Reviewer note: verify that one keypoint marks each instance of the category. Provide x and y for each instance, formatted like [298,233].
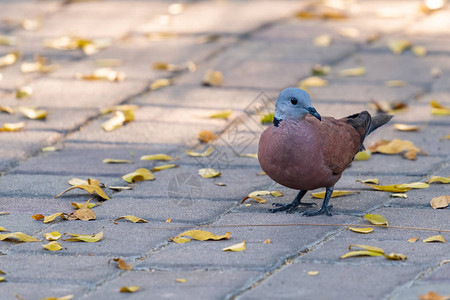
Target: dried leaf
[319,70]
[78,181]
[9,59]
[249,155]
[267,241]
[349,32]
[313,273]
[267,119]
[312,81]
[18,235]
[122,264]
[372,148]
[220,183]
[168,220]
[53,246]
[395,256]
[164,167]
[84,213]
[395,83]
[120,188]
[138,175]
[32,24]
[52,236]
[397,146]
[106,74]
[367,247]
[206,136]
[180,240]
[24,92]
[180,280]
[225,114]
[201,235]
[67,297]
[8,40]
[399,195]
[38,65]
[88,46]
[85,237]
[390,107]
[12,126]
[361,253]
[90,188]
[208,173]
[435,238]
[438,109]
[336,193]
[406,127]
[352,72]
[433,295]
[163,157]
[323,40]
[212,78]
[363,155]
[439,179]
[132,219]
[376,219]
[33,113]
[205,153]
[361,230]
[414,185]
[394,188]
[108,62]
[116,161]
[115,122]
[6,109]
[3,229]
[440,202]
[236,247]
[48,219]
[129,289]
[398,46]
[160,83]
[413,240]
[123,108]
[419,50]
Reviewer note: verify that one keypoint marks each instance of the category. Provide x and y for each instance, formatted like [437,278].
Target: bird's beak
[314,112]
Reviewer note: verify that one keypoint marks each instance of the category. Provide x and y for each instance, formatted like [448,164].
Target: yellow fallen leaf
[3,229]
[8,40]
[397,146]
[67,297]
[160,83]
[398,46]
[387,188]
[395,83]
[2,278]
[164,167]
[50,218]
[363,155]
[225,114]
[132,219]
[267,241]
[376,219]
[122,108]
[395,256]
[78,181]
[336,193]
[352,72]
[116,121]
[205,153]
[433,295]
[206,136]
[83,213]
[440,202]
[349,32]
[399,195]
[312,81]
[116,161]
[23,92]
[414,185]
[268,118]
[212,78]
[38,65]
[406,127]
[439,179]
[323,40]
[419,50]
[180,240]
[435,238]
[122,264]
[88,46]
[367,247]
[313,273]
[33,113]
[370,180]
[53,246]
[220,183]
[106,74]
[85,237]
[249,155]
[129,289]
[361,253]
[6,109]
[90,188]
[208,173]
[9,59]
[320,70]
[261,174]
[18,235]
[202,235]
[12,126]
[52,236]
[180,280]
[168,220]
[236,247]
[32,24]
[138,175]
[413,240]
[361,230]
[438,109]
[163,157]
[120,188]
[4,213]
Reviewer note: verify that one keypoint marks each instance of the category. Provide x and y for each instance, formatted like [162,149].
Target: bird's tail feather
[379,120]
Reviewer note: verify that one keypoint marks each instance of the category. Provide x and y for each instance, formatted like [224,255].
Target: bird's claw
[282,207]
[309,204]
[325,210]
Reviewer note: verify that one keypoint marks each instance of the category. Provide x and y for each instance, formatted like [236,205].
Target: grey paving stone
[162,284]
[39,290]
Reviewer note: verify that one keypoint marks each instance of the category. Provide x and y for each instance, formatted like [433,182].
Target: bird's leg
[292,206]
[325,207]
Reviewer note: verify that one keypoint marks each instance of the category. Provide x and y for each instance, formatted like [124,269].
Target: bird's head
[293,104]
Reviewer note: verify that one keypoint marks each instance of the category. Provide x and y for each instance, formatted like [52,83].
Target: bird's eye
[294,101]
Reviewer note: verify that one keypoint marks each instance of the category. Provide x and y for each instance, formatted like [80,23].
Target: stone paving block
[163,285]
[39,290]
[286,241]
[18,10]
[353,282]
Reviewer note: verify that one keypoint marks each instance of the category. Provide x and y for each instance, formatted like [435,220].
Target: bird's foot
[289,207]
[325,210]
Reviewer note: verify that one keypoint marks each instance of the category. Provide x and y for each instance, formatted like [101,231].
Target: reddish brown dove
[304,151]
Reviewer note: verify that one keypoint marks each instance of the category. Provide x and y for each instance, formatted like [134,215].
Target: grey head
[293,104]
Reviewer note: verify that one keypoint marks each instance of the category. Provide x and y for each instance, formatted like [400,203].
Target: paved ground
[261,48]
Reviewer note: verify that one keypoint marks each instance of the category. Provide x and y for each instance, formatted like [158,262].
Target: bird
[304,151]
